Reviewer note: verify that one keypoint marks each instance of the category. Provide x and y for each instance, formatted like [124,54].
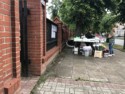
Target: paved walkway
[27,84]
[76,74]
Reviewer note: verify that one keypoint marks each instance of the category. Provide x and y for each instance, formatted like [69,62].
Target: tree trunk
[78,30]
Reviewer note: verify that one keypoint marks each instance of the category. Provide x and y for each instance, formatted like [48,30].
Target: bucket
[86,53]
[106,54]
[75,50]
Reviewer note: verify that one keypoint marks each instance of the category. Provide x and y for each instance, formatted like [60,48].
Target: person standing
[89,35]
[111,37]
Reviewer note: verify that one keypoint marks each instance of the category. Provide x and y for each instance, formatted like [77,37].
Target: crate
[98,54]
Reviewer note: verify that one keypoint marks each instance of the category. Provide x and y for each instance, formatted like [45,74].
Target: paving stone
[67,90]
[90,92]
[48,92]
[76,92]
[87,75]
[60,90]
[41,85]
[71,90]
[41,92]
[85,92]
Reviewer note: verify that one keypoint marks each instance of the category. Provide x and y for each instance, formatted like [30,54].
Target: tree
[84,13]
[79,14]
[107,22]
[54,8]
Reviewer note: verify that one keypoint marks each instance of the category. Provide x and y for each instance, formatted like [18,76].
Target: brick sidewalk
[76,74]
[27,84]
[68,86]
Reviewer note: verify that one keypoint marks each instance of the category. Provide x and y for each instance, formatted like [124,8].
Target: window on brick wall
[51,34]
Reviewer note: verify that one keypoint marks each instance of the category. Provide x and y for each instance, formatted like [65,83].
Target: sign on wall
[53,31]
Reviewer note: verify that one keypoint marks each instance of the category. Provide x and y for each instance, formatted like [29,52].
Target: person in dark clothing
[89,35]
[111,41]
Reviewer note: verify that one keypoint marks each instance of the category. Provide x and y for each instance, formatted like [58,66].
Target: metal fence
[52,31]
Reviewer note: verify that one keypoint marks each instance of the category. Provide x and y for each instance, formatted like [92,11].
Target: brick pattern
[43,38]
[35,36]
[9,41]
[60,36]
[65,35]
[5,25]
[69,86]
[37,53]
[1,66]
[27,84]
[66,32]
[11,86]
[43,27]
[15,37]
[58,48]
[49,54]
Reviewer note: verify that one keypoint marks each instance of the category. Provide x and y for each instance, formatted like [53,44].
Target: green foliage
[85,14]
[107,22]
[54,8]
[121,11]
[82,15]
[112,5]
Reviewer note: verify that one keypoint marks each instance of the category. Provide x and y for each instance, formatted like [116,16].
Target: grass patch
[118,47]
[50,72]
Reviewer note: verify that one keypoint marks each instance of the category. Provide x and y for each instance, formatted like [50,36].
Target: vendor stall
[89,45]
[86,48]
[92,40]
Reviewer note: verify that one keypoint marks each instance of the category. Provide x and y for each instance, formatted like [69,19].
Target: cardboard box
[98,54]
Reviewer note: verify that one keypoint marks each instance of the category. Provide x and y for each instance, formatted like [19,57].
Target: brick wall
[50,54]
[59,23]
[37,53]
[9,43]
[54,51]
[43,27]
[36,32]
[1,65]
[6,40]
[15,27]
[66,32]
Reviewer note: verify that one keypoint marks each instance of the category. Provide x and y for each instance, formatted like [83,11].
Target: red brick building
[10,45]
